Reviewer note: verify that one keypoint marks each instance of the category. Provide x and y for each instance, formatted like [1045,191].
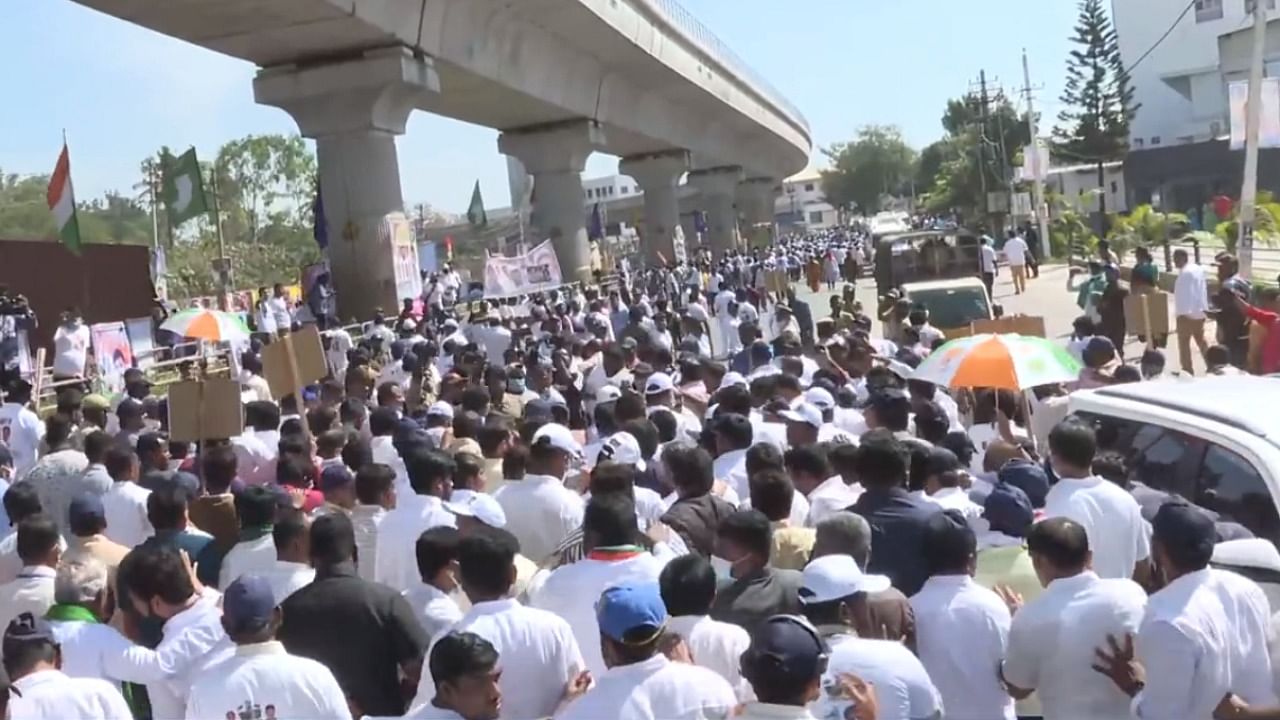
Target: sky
[120,91]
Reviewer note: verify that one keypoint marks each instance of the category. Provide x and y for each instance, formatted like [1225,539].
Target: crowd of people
[683,494]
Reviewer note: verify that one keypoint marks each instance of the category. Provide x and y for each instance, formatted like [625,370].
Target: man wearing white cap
[479,513]
[659,392]
[826,404]
[803,423]
[624,449]
[540,510]
[439,418]
[833,594]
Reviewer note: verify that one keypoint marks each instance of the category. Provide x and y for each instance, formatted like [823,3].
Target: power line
[1163,37]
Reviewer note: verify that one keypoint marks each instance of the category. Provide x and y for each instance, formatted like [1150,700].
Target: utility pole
[982,148]
[223,263]
[1037,172]
[1253,126]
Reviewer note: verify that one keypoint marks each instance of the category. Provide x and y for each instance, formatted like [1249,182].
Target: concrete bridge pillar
[719,187]
[755,203]
[657,176]
[555,155]
[354,108]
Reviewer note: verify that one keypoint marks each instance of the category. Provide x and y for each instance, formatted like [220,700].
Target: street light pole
[1253,126]
[1037,172]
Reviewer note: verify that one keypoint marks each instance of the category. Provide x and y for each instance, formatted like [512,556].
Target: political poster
[396,231]
[139,332]
[428,257]
[1269,130]
[113,353]
[535,271]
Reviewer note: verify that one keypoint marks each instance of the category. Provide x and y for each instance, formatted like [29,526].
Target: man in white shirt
[292,569]
[688,586]
[83,604]
[540,657]
[125,503]
[987,266]
[641,683]
[40,690]
[260,673]
[1204,634]
[70,346]
[1118,535]
[1190,301]
[962,628]
[834,595]
[32,590]
[464,671]
[733,437]
[540,510]
[56,475]
[1053,637]
[942,484]
[609,534]
[280,307]
[20,428]
[432,596]
[255,551]
[375,497]
[837,485]
[431,478]
[1015,253]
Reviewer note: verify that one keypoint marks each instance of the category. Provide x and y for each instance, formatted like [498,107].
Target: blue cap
[26,628]
[1028,477]
[626,609]
[787,646]
[334,477]
[1008,510]
[248,603]
[84,507]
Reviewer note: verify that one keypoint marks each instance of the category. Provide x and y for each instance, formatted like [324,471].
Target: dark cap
[947,528]
[1099,345]
[730,423]
[1008,510]
[1027,476]
[537,409]
[26,628]
[334,477]
[939,461]
[887,397]
[85,507]
[1185,528]
[787,647]
[248,603]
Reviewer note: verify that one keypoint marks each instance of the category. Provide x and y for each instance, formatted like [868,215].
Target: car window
[1155,456]
[1231,486]
[953,307]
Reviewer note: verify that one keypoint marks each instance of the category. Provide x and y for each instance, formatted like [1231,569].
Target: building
[801,204]
[1078,186]
[611,187]
[1179,153]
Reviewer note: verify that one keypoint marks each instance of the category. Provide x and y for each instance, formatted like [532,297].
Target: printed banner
[396,231]
[113,353]
[428,257]
[1269,130]
[139,332]
[535,271]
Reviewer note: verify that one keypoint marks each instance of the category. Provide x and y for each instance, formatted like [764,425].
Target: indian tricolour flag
[62,202]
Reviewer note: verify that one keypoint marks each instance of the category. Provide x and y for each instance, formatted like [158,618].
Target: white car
[1214,441]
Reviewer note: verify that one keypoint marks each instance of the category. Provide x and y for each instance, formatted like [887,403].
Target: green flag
[183,190]
[475,213]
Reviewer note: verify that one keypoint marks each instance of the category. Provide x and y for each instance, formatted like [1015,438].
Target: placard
[1028,325]
[206,409]
[397,232]
[139,332]
[535,271]
[308,360]
[112,353]
[1135,319]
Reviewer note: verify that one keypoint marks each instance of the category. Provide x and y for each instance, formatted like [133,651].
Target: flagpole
[224,269]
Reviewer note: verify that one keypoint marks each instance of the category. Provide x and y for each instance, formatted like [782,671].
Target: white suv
[1214,441]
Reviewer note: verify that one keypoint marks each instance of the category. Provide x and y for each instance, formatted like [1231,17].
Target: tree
[977,153]
[1144,227]
[1098,97]
[259,176]
[877,162]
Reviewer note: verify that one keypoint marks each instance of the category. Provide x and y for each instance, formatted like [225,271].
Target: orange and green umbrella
[212,325]
[1011,362]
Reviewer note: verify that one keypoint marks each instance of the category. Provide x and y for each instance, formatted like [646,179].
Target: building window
[1207,10]
[1155,140]
[1114,188]
[1138,142]
[815,217]
[808,187]
[626,189]
[1248,6]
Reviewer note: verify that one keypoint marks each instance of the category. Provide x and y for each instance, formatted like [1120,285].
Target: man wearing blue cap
[1203,635]
[40,690]
[261,677]
[641,683]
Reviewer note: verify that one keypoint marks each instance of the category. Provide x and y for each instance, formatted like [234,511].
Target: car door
[1160,458]
[1231,486]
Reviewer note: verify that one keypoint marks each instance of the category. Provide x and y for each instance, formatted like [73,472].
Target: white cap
[834,577]
[730,379]
[608,394]
[804,413]
[558,437]
[441,408]
[408,324]
[820,398]
[621,447]
[658,383]
[479,506]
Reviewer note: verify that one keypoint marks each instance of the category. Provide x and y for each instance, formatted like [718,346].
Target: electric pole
[1253,126]
[1037,172]
[982,147]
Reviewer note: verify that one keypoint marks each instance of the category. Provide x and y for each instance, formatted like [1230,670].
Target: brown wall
[107,282]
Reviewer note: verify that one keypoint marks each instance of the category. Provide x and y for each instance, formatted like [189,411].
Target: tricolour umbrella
[212,325]
[1011,362]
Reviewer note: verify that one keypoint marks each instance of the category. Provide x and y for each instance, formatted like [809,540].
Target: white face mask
[723,568]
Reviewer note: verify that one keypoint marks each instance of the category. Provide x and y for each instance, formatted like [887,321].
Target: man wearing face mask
[751,590]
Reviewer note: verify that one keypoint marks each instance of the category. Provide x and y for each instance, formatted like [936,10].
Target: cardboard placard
[1027,325]
[308,361]
[206,409]
[1136,319]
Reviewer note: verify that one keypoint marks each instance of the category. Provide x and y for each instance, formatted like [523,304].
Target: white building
[802,203]
[1078,186]
[611,187]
